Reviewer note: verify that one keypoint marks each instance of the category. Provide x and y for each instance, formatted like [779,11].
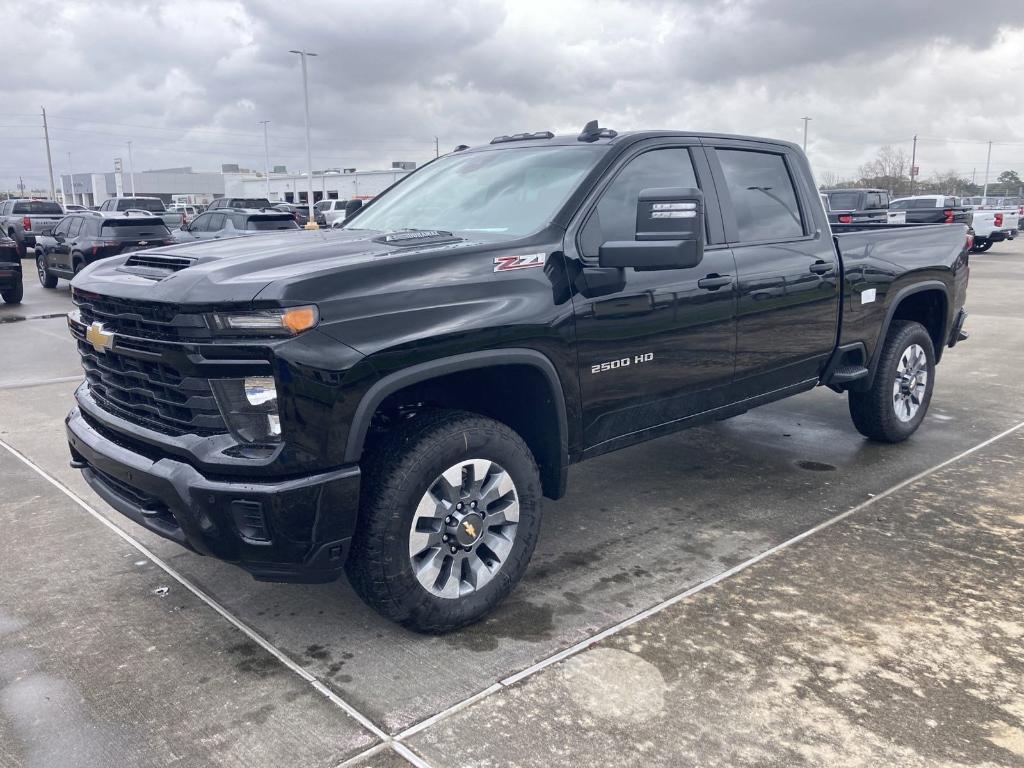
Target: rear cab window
[43,207]
[843,201]
[763,196]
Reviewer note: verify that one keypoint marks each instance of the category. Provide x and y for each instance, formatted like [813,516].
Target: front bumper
[295,530]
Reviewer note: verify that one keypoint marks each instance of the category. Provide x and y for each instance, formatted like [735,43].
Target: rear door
[653,346]
[788,302]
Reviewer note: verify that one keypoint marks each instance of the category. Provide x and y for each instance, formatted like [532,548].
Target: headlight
[283,322]
[249,408]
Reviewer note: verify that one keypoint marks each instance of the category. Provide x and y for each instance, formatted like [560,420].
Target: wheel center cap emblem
[469,529]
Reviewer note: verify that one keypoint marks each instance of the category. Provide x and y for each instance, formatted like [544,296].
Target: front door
[656,346]
[788,309]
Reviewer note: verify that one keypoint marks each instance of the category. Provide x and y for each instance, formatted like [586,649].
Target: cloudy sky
[187,82]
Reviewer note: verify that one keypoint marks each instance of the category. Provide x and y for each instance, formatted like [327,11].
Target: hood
[237,270]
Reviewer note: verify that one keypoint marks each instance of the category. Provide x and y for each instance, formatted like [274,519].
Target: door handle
[822,267]
[714,281]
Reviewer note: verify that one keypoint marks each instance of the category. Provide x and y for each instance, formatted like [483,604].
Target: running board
[844,374]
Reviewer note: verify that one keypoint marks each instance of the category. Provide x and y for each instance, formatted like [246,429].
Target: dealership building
[171,184]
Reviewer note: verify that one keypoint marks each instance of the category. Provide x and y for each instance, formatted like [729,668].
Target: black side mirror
[669,232]
[352,206]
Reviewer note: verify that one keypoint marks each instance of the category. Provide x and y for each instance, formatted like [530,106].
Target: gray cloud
[187,82]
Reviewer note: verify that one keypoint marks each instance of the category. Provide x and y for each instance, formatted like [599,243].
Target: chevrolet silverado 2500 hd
[394,398]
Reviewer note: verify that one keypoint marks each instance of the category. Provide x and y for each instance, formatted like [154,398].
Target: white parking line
[656,609]
[236,622]
[41,382]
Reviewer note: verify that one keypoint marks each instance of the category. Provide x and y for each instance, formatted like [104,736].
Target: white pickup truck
[991,223]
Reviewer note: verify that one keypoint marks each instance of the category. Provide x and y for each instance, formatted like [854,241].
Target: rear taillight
[104,244]
[948,213]
[970,241]
[26,223]
[997,219]
[845,218]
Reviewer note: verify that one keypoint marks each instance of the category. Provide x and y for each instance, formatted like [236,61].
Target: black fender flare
[876,353]
[487,358]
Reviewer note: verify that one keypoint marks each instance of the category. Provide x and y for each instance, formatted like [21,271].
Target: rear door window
[763,197]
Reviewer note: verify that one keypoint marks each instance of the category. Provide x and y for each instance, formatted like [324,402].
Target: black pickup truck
[394,398]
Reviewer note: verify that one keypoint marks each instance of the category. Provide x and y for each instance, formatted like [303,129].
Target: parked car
[79,239]
[11,286]
[257,203]
[328,211]
[857,206]
[23,220]
[301,213]
[154,205]
[932,209]
[217,224]
[188,212]
[395,397]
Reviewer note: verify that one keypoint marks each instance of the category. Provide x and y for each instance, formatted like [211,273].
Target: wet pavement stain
[516,620]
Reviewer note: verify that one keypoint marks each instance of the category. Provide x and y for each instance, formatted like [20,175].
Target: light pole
[806,121]
[131,168]
[309,155]
[988,162]
[72,169]
[266,156]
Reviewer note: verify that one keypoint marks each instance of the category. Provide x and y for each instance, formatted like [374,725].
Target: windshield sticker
[508,263]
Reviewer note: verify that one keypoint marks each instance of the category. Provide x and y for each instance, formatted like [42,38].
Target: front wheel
[448,520]
[896,404]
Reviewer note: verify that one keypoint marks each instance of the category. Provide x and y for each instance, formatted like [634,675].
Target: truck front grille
[151,394]
[141,319]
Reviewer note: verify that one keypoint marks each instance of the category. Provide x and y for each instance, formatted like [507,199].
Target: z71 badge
[529,261]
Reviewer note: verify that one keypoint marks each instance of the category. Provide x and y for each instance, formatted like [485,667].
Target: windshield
[510,192]
[843,201]
[38,206]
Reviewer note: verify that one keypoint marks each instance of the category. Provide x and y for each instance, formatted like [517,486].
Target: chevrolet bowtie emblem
[470,529]
[101,339]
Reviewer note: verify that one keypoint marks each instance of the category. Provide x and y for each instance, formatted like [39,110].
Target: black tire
[14,295]
[981,247]
[398,471]
[874,411]
[45,278]
[19,247]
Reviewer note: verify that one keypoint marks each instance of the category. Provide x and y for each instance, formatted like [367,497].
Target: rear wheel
[448,520]
[981,247]
[14,294]
[896,404]
[45,278]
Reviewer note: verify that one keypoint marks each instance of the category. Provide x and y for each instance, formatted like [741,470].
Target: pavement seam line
[241,626]
[39,382]
[677,598]
[406,752]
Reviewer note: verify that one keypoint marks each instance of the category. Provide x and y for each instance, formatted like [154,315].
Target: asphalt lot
[892,637]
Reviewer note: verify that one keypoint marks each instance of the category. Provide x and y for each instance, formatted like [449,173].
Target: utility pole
[21,187]
[266,155]
[974,175]
[49,161]
[131,168]
[72,169]
[988,162]
[437,150]
[806,121]
[913,166]
[303,54]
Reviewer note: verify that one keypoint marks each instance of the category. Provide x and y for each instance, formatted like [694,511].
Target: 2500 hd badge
[625,362]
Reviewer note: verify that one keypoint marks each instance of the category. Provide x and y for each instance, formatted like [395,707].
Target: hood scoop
[406,237]
[155,265]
